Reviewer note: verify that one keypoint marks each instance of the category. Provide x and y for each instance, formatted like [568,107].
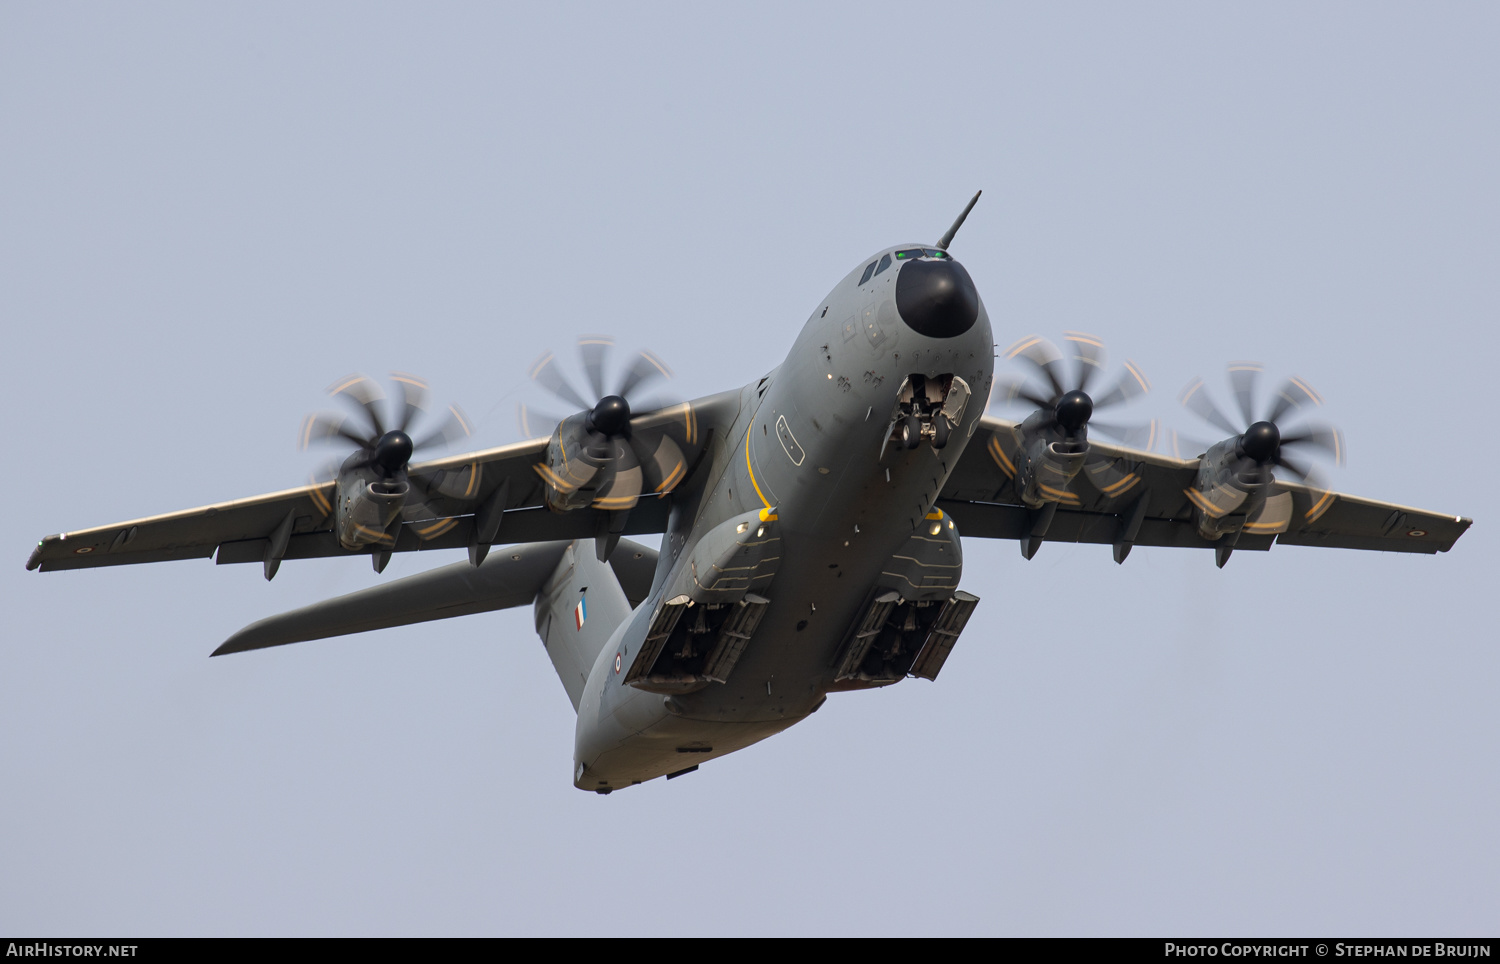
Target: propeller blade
[665,460]
[1325,437]
[454,427]
[1196,400]
[1044,357]
[544,372]
[1242,376]
[1010,389]
[363,392]
[1186,447]
[645,368]
[1088,351]
[1294,394]
[1137,436]
[1302,471]
[324,428]
[1112,477]
[1132,383]
[622,488]
[411,394]
[594,349]
[534,422]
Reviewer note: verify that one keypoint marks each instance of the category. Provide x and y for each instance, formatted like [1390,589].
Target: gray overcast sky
[209,212]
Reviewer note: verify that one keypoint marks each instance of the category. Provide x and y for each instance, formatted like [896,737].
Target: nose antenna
[947,239]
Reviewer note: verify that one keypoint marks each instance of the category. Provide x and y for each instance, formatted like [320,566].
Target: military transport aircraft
[810,519]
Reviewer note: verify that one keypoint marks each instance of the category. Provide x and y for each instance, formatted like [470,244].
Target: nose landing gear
[927,408]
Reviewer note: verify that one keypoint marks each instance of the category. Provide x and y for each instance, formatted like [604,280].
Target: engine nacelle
[1048,461]
[572,471]
[1230,499]
[366,507]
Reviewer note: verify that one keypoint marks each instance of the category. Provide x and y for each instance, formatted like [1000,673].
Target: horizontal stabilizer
[505,580]
[510,577]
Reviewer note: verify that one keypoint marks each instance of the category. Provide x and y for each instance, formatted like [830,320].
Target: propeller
[620,448]
[380,428]
[1065,401]
[1261,443]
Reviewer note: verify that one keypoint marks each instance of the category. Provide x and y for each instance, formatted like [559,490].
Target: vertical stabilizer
[577,610]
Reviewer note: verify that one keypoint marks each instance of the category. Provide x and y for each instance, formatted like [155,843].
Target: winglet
[947,239]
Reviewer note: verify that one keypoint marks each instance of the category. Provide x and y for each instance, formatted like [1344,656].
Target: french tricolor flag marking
[581,612]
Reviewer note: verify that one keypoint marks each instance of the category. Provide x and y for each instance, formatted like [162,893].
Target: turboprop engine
[1052,442]
[607,456]
[1233,491]
[371,486]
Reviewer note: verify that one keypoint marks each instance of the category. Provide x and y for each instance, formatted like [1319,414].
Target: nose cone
[936,298]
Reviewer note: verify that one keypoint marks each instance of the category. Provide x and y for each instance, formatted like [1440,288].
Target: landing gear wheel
[911,432]
[941,429]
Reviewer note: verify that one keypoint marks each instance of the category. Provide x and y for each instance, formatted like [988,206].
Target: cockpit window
[869,270]
[885,262]
[912,254]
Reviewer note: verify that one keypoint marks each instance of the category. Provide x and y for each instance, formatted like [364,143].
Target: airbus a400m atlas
[810,520]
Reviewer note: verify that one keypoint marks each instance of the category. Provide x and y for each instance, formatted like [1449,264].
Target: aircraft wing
[451,492]
[1126,497]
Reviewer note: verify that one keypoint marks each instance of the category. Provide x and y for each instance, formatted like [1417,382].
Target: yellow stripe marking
[660,365]
[766,515]
[348,383]
[321,500]
[541,363]
[1080,337]
[1022,345]
[1060,495]
[1136,372]
[671,479]
[1121,485]
[1263,526]
[1320,507]
[765,501]
[998,454]
[437,528]
[553,479]
[1312,395]
[384,538]
[1195,497]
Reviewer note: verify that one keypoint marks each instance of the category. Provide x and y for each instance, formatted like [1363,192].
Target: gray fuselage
[813,449]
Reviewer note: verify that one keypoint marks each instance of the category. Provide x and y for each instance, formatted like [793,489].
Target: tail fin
[578,609]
